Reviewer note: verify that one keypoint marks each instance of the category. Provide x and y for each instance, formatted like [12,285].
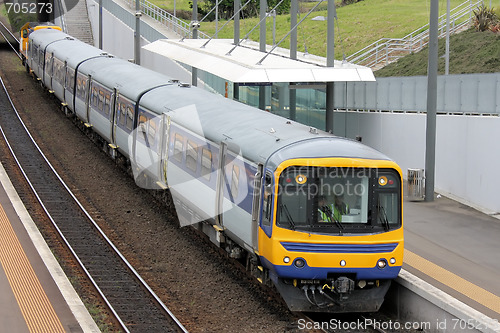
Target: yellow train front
[331,236]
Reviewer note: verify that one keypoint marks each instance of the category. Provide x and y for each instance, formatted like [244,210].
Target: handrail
[387,50]
[162,16]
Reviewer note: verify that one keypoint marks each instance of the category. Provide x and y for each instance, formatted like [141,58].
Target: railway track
[10,39]
[133,303]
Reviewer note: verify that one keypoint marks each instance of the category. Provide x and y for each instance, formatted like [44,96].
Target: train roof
[130,79]
[65,47]
[261,137]
[44,37]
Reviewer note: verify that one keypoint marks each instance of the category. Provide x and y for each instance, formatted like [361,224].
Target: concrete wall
[118,37]
[466,157]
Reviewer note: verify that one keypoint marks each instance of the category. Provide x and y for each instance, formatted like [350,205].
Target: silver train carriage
[318,216]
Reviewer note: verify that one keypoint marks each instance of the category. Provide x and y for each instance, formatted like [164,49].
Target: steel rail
[7,39]
[85,212]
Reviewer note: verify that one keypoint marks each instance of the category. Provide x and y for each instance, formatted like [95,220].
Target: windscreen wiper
[383,217]
[331,216]
[288,216]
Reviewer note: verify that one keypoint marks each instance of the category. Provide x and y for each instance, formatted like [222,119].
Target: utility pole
[195,25]
[137,33]
[294,9]
[262,48]
[330,60]
[100,24]
[430,149]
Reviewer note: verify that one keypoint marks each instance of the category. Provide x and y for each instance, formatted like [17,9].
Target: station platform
[455,248]
[36,295]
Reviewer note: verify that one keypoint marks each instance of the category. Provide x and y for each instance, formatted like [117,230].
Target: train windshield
[339,200]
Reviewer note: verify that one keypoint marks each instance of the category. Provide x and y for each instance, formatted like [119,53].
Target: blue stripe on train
[339,248]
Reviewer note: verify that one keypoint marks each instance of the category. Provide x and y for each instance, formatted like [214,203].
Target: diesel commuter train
[318,216]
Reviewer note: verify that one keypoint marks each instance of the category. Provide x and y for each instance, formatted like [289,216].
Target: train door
[114,110]
[257,190]
[164,149]
[87,102]
[64,80]
[220,185]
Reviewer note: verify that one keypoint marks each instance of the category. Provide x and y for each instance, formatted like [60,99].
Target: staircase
[78,24]
[387,50]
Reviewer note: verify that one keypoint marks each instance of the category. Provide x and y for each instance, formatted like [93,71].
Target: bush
[485,19]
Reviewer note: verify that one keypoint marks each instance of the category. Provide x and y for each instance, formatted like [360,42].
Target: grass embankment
[470,52]
[359,24]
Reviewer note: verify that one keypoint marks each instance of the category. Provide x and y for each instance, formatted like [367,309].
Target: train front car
[331,234]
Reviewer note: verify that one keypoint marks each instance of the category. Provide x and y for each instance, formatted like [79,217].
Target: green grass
[470,52]
[359,24]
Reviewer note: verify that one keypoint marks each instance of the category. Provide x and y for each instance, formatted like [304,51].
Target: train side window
[178,147]
[235,181]
[152,132]
[70,78]
[268,201]
[100,106]
[81,84]
[206,163]
[123,113]
[95,97]
[191,156]
[34,54]
[41,58]
[142,125]
[107,103]
[130,117]
[48,63]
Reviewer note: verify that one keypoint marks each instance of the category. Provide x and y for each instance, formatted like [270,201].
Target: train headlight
[381,263]
[286,260]
[299,263]
[342,263]
[392,261]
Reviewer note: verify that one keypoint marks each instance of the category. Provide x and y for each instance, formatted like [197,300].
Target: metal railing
[387,50]
[165,18]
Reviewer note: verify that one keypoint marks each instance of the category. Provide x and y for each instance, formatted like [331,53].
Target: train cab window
[268,201]
[387,200]
[178,147]
[206,163]
[191,156]
[235,181]
[130,117]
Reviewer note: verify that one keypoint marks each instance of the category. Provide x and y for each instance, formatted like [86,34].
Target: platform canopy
[242,65]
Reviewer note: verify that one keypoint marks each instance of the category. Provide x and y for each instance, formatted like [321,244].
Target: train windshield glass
[339,200]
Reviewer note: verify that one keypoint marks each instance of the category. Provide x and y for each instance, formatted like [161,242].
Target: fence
[165,18]
[387,50]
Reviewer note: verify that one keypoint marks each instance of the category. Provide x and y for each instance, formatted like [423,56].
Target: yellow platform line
[464,287]
[34,304]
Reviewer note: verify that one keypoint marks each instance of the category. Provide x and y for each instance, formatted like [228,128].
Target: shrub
[485,18]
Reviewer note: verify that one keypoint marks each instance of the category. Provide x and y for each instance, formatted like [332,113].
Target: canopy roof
[242,65]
